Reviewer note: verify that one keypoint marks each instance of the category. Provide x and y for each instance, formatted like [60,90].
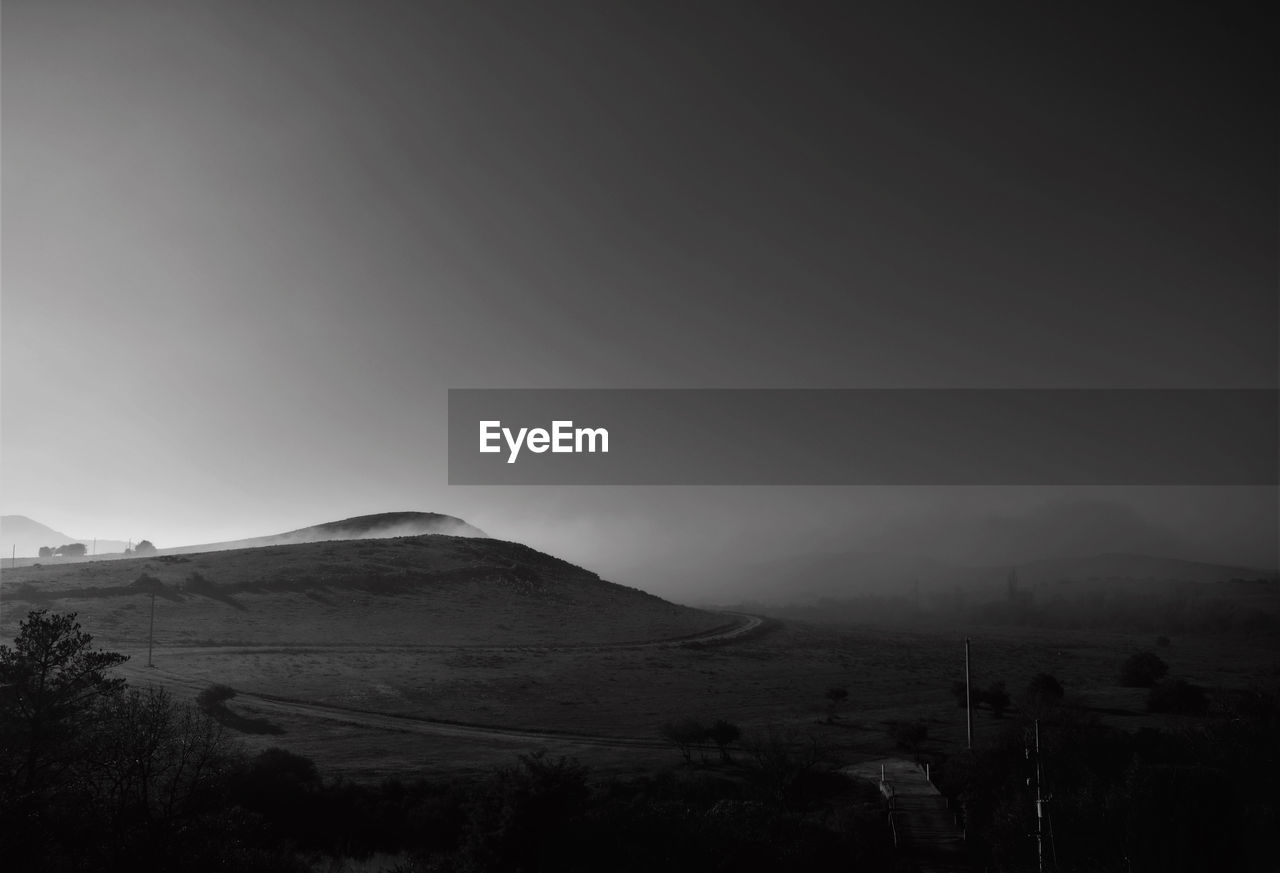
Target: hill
[25,537]
[30,535]
[362,527]
[403,591]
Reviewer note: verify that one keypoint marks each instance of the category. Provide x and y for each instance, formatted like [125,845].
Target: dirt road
[138,671]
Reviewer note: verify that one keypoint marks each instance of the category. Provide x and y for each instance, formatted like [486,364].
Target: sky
[248,247]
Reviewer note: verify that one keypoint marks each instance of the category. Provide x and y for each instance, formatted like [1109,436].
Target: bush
[997,698]
[1142,670]
[684,735]
[835,697]
[724,734]
[214,696]
[525,817]
[1178,696]
[1045,685]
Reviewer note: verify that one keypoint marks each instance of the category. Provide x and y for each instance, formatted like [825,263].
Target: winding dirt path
[269,703]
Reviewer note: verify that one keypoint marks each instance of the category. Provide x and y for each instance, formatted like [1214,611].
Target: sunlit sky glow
[248,247]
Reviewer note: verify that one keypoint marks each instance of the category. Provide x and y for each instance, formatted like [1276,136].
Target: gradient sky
[247,247]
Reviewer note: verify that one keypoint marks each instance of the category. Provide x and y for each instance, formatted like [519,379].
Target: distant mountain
[810,578]
[30,536]
[363,527]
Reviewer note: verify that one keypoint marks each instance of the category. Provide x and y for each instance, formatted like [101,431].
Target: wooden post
[151,634]
[1039,807]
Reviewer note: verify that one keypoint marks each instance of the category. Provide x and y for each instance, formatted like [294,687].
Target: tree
[835,697]
[215,696]
[144,548]
[72,550]
[1044,685]
[1178,696]
[152,758]
[527,817]
[1142,670]
[49,683]
[1042,695]
[997,698]
[46,552]
[685,734]
[724,734]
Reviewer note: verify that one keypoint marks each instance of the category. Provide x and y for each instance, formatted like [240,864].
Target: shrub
[997,698]
[685,734]
[1142,670]
[835,697]
[724,734]
[214,696]
[1178,696]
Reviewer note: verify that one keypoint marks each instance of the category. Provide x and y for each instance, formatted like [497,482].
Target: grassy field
[361,654]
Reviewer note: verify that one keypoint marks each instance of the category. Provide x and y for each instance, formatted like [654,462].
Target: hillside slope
[407,591]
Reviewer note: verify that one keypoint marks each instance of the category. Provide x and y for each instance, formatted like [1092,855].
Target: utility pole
[151,634]
[968,697]
[1039,807]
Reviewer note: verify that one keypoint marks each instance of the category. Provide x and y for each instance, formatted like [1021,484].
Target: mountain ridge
[26,536]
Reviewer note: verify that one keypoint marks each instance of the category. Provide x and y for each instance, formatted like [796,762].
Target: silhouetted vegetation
[1142,670]
[1178,696]
[835,697]
[130,779]
[1045,688]
[1043,694]
[996,698]
[50,682]
[1185,800]
[686,735]
[98,776]
[724,734]
[213,702]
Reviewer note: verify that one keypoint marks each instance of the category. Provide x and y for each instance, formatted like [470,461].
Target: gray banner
[863,437]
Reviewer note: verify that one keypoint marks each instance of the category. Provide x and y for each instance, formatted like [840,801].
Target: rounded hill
[405,591]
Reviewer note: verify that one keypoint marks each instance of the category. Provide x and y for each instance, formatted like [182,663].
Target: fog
[689,544]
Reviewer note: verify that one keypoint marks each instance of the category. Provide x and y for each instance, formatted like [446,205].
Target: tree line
[98,775]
